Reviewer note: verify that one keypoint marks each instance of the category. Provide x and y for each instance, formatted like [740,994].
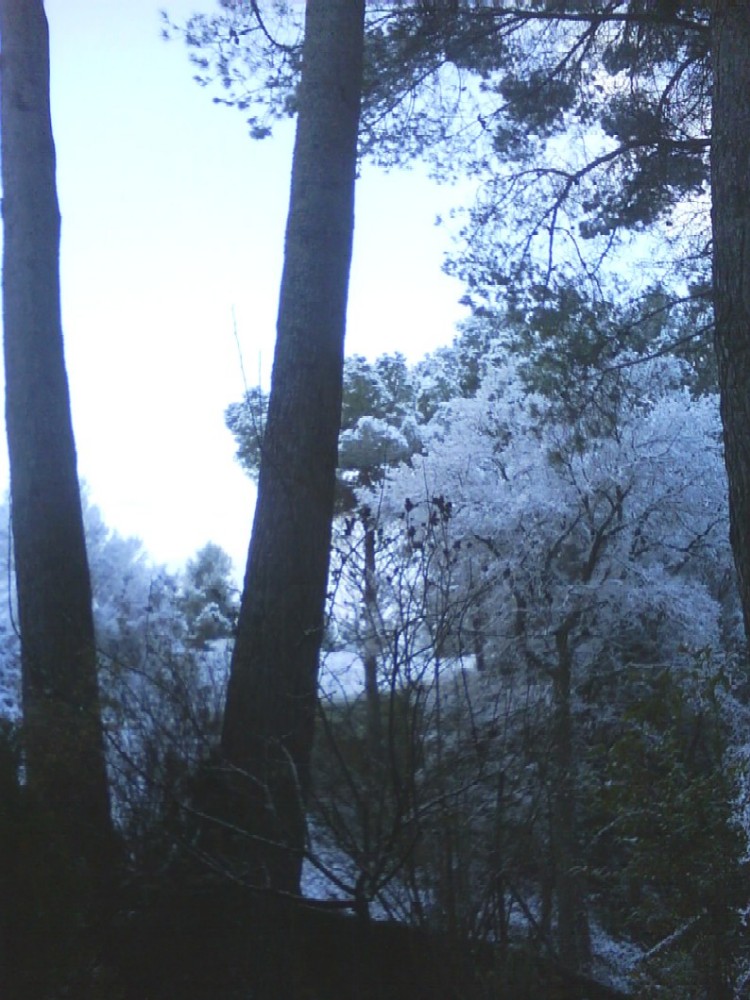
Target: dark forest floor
[214,941]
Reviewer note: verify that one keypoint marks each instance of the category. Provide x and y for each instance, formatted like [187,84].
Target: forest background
[536,756]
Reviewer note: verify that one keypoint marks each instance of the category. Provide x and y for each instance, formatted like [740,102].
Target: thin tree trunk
[572,930]
[730,191]
[269,720]
[64,747]
[370,655]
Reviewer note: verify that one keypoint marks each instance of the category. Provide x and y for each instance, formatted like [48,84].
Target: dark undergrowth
[198,939]
[180,932]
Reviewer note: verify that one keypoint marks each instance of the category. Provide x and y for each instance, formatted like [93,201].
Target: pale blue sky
[172,218]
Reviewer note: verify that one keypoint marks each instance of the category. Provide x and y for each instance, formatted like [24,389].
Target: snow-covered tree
[163,643]
[209,597]
[577,562]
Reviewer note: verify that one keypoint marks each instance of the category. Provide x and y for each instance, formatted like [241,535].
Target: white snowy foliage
[621,537]
[373,442]
[521,545]
[163,643]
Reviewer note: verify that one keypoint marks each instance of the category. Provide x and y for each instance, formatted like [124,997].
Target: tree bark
[730,192]
[271,700]
[370,654]
[64,746]
[572,927]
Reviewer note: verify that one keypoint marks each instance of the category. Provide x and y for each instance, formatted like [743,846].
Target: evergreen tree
[63,742]
[591,561]
[378,431]
[593,122]
[271,698]
[730,191]
[208,598]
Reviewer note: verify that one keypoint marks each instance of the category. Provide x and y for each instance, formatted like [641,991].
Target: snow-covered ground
[342,676]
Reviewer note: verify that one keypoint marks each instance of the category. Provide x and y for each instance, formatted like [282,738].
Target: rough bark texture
[730,190]
[64,749]
[270,710]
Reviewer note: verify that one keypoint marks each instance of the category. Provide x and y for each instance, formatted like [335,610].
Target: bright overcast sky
[173,219]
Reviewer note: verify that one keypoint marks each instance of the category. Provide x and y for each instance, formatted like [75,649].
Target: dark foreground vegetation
[194,936]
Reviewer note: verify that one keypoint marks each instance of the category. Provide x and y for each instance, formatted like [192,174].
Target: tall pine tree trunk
[271,700]
[64,747]
[730,190]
